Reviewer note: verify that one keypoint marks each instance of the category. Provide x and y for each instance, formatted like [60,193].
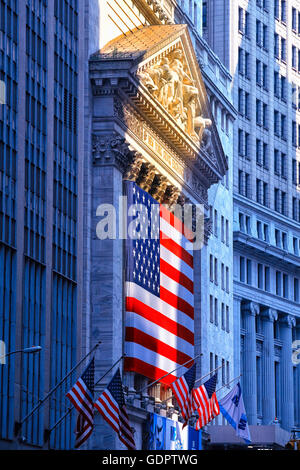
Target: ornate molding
[288,320]
[111,150]
[251,308]
[270,314]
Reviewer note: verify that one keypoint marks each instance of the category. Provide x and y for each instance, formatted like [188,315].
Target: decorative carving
[146,176]
[251,308]
[171,195]
[134,169]
[159,187]
[270,314]
[170,83]
[111,150]
[288,320]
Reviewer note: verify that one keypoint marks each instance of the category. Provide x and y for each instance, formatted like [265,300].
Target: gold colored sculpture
[169,82]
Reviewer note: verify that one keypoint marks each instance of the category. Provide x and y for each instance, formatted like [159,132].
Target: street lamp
[31,350]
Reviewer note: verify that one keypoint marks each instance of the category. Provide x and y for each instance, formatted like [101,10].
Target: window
[278,283]
[265,76]
[258,72]
[241,61]
[283,88]
[260,276]
[265,37]
[242,269]
[276,161]
[204,15]
[276,45]
[267,278]
[276,123]
[276,84]
[258,112]
[294,19]
[216,313]
[285,285]
[265,116]
[283,50]
[223,316]
[247,63]
[249,271]
[211,268]
[247,106]
[283,165]
[258,33]
[227,280]
[211,308]
[240,142]
[227,318]
[216,271]
[216,223]
[294,57]
[283,11]
[247,146]
[241,20]
[296,290]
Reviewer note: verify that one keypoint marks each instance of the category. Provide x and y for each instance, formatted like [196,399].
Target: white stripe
[170,232]
[176,289]
[149,357]
[115,418]
[136,321]
[176,262]
[139,293]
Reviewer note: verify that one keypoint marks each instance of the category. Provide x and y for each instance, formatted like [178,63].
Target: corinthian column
[287,383]
[250,310]
[269,315]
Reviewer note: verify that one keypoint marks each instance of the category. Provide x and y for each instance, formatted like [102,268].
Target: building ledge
[259,247]
[272,436]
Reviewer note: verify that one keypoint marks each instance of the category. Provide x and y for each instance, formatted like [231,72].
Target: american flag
[205,401]
[182,389]
[111,405]
[81,395]
[159,290]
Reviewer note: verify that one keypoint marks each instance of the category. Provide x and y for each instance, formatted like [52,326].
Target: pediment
[163,66]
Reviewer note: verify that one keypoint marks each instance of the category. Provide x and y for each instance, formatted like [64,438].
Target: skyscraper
[41,158]
[258,41]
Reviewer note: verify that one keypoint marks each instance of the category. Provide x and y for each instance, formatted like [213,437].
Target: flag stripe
[135,364]
[176,249]
[177,289]
[169,217]
[158,333]
[153,302]
[158,319]
[136,336]
[176,302]
[176,275]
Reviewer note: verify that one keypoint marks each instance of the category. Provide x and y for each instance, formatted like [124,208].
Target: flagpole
[166,375]
[198,380]
[40,402]
[71,408]
[211,372]
[235,378]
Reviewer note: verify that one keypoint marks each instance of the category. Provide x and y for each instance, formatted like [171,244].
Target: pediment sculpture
[171,85]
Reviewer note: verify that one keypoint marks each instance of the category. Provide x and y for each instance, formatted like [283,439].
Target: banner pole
[40,402]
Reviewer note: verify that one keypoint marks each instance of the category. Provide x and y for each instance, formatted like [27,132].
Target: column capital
[111,149]
[269,314]
[251,308]
[288,320]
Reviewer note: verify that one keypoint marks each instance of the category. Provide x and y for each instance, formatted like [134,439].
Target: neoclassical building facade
[151,123]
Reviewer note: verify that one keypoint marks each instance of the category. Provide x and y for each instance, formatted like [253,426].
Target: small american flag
[159,290]
[81,395]
[205,401]
[182,389]
[111,405]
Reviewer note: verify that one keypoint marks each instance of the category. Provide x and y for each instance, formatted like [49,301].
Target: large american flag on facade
[159,289]
[205,401]
[111,405]
[182,389]
[81,395]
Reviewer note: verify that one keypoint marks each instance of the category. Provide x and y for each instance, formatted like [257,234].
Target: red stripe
[136,336]
[114,421]
[83,407]
[176,275]
[176,302]
[176,249]
[138,307]
[176,223]
[132,364]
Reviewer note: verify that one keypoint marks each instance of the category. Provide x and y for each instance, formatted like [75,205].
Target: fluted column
[297,397]
[269,315]
[287,385]
[251,309]
[237,334]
